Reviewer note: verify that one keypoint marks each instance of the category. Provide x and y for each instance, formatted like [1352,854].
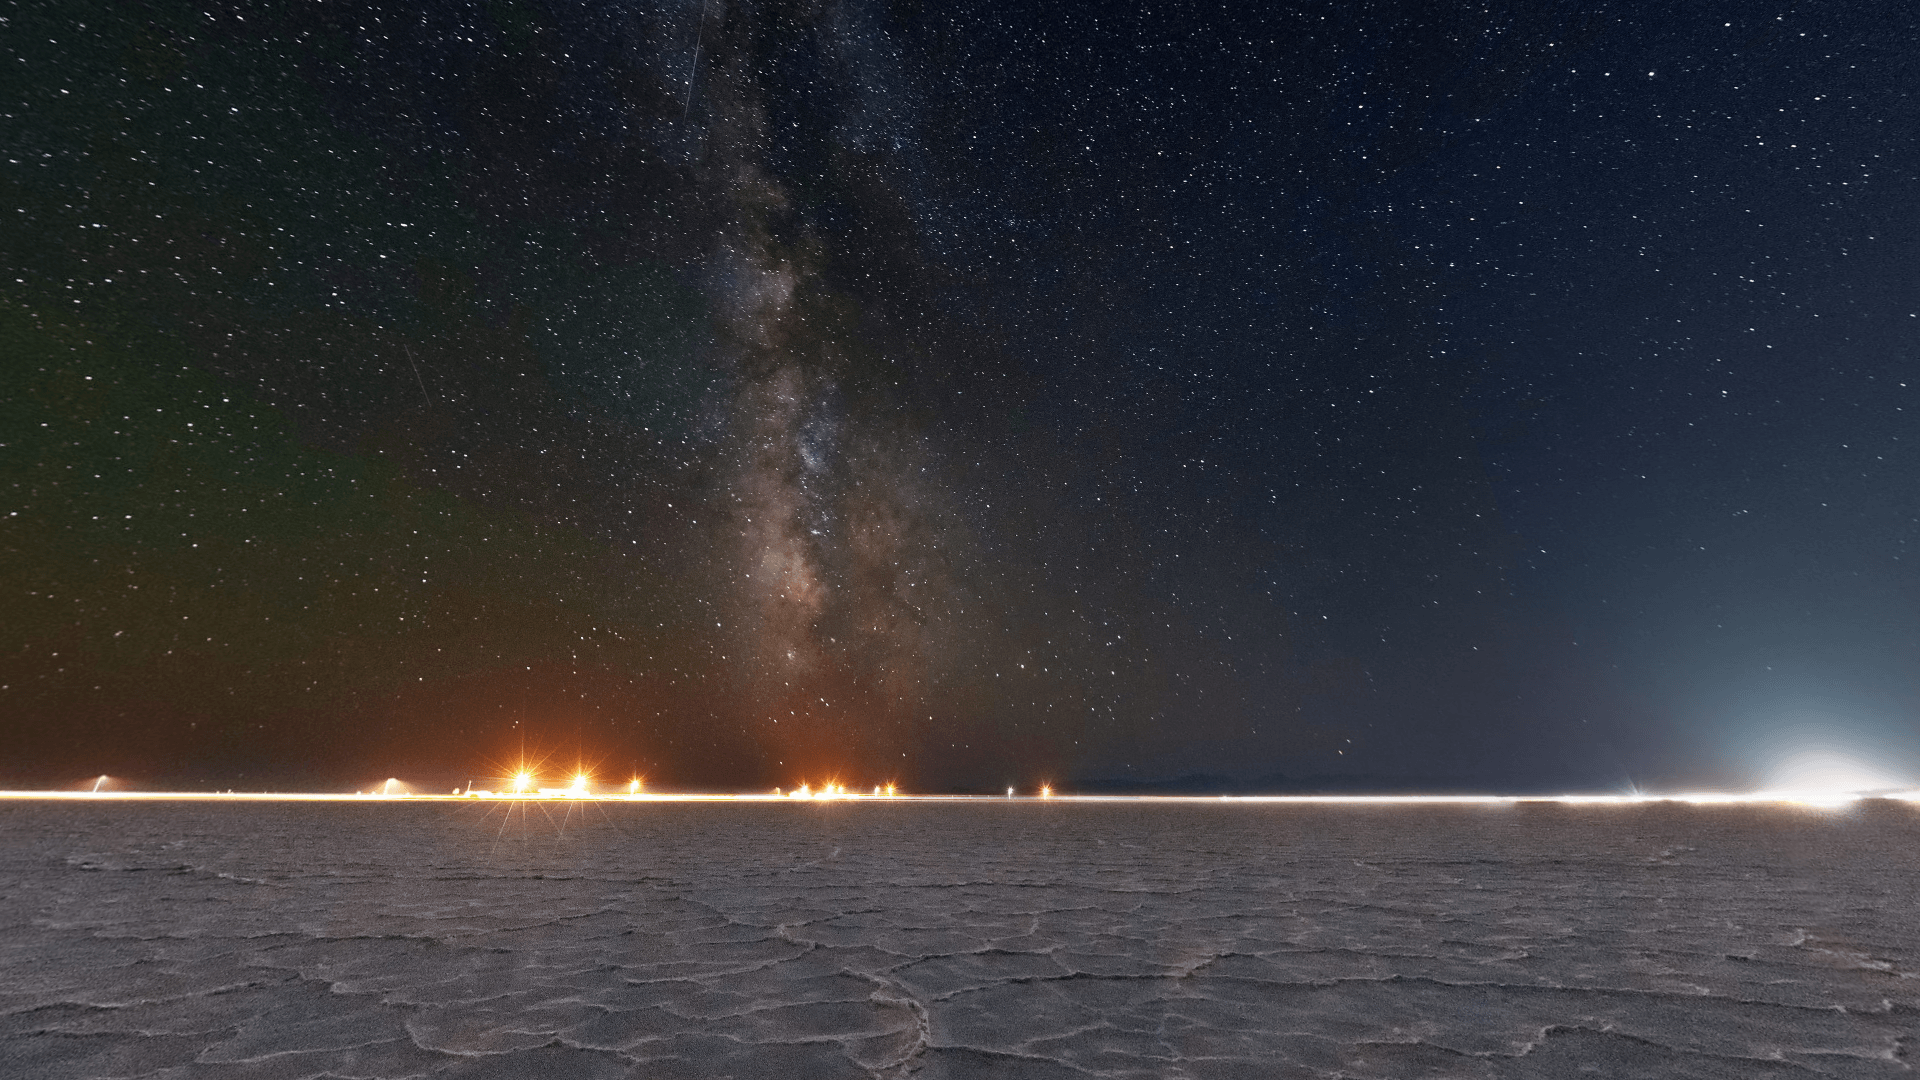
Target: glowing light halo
[1825,753]
[1827,771]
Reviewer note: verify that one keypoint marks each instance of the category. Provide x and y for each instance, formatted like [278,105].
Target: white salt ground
[978,940]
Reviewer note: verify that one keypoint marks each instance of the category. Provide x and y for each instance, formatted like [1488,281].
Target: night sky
[1369,396]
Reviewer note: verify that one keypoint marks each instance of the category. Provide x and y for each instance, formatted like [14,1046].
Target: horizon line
[1820,798]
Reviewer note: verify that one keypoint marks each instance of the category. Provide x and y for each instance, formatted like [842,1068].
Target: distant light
[1824,773]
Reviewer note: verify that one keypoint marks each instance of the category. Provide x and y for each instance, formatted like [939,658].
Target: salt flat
[957,940]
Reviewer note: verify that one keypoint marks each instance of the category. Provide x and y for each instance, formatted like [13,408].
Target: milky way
[829,543]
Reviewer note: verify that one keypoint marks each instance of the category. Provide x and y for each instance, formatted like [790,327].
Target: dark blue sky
[1698,307]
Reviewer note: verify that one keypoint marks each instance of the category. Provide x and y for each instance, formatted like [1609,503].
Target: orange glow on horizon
[399,792]
[834,789]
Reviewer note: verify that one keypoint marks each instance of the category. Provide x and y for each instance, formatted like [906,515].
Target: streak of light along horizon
[1823,800]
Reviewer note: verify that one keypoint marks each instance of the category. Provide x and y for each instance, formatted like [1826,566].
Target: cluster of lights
[837,790]
[524,785]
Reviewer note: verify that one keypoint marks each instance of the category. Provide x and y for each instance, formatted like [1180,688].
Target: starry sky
[1278,397]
